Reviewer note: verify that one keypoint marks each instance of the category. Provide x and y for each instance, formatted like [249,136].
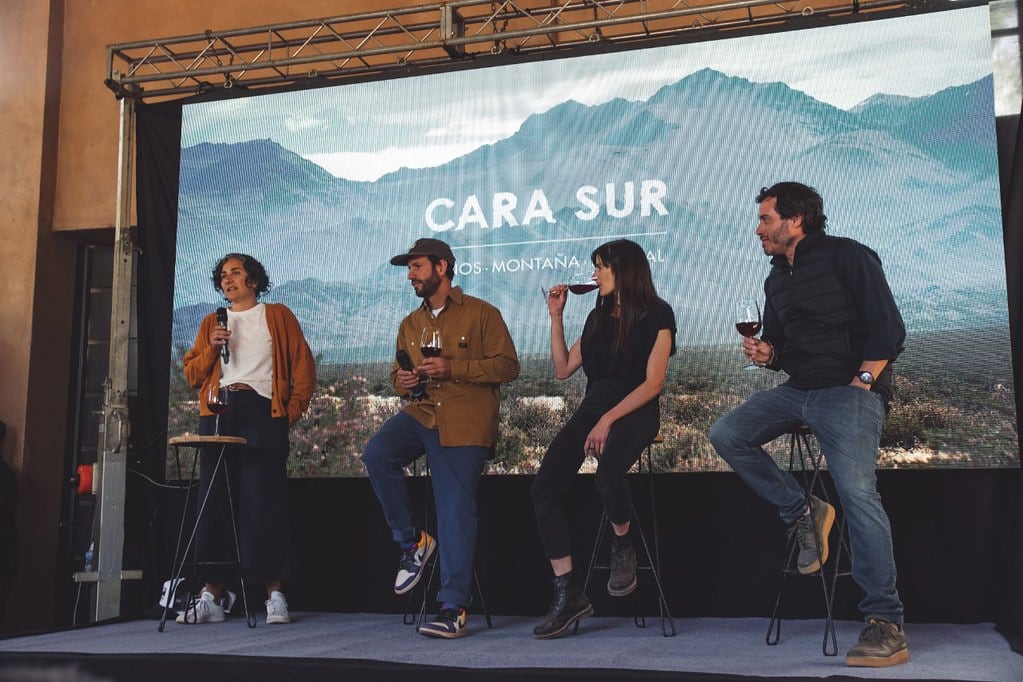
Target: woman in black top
[624,350]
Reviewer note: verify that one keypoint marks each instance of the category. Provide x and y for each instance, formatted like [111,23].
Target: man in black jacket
[831,324]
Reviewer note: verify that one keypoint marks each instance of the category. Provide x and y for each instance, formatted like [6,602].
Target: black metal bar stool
[410,617]
[219,469]
[803,458]
[652,562]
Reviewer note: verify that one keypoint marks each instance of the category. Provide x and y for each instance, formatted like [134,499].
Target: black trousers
[552,487]
[259,484]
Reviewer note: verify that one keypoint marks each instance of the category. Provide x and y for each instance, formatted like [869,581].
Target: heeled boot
[570,605]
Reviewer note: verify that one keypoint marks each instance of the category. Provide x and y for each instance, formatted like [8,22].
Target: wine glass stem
[216,426]
[750,364]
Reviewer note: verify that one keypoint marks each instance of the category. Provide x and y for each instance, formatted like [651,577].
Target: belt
[239,387]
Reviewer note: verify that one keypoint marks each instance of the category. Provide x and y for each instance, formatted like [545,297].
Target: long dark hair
[634,292]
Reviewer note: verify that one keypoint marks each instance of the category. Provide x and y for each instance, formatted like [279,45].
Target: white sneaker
[228,600]
[203,610]
[277,609]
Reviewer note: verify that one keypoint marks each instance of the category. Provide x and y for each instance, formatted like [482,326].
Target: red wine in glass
[430,344]
[748,328]
[216,402]
[582,284]
[217,407]
[748,322]
[582,288]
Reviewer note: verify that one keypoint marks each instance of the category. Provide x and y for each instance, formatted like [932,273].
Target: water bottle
[90,557]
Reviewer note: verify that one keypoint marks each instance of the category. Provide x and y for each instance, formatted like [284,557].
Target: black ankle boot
[569,606]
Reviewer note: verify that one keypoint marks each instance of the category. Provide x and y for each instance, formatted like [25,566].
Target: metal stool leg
[652,557]
[175,569]
[250,618]
[179,566]
[813,484]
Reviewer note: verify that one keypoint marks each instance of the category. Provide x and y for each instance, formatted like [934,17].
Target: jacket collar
[805,244]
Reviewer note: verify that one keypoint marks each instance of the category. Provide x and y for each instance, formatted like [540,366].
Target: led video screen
[525,168]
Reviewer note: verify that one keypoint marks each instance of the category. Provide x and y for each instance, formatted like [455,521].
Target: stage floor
[715,646]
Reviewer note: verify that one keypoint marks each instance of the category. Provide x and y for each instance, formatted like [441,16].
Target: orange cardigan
[294,369]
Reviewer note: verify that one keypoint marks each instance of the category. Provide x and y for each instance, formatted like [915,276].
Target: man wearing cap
[451,416]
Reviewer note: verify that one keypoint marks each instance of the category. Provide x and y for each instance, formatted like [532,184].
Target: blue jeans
[847,422]
[455,474]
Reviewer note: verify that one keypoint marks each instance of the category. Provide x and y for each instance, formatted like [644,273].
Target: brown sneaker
[812,530]
[881,644]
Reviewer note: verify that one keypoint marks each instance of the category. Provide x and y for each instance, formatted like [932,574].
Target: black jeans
[552,487]
[259,483]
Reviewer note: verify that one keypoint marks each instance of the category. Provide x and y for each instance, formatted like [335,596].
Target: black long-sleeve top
[829,311]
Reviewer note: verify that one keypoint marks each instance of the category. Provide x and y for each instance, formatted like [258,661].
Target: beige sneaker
[881,644]
[812,530]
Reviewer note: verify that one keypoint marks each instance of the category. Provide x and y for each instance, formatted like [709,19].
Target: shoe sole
[201,622]
[419,576]
[829,521]
[444,634]
[588,611]
[625,591]
[278,621]
[900,656]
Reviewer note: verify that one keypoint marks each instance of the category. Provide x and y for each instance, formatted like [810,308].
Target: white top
[251,351]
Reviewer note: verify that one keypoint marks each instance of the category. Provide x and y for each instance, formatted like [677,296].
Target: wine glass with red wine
[747,322]
[216,401]
[430,344]
[582,283]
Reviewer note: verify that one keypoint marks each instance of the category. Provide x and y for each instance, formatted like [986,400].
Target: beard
[779,241]
[427,287]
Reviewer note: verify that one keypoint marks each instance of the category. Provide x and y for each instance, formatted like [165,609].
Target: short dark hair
[796,199]
[253,268]
[450,274]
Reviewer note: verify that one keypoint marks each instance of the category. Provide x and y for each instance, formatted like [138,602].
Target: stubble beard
[428,287]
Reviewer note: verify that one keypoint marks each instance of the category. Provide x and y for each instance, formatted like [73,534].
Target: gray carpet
[709,645]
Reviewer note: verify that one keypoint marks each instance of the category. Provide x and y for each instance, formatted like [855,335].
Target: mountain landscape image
[914,178]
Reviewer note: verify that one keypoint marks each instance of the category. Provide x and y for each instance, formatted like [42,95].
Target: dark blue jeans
[455,474]
[259,484]
[847,422]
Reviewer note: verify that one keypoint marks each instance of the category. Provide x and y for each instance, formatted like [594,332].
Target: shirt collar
[454,296]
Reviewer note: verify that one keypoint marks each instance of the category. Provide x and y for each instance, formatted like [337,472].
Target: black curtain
[158,152]
[1010,622]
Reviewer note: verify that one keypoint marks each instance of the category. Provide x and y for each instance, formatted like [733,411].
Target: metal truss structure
[403,40]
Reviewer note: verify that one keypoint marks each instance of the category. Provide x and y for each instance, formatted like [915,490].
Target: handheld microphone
[225,352]
[405,362]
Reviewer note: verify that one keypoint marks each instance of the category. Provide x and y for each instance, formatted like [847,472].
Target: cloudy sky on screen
[362,131]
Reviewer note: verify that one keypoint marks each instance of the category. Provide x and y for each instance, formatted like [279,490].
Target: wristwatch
[865,377]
